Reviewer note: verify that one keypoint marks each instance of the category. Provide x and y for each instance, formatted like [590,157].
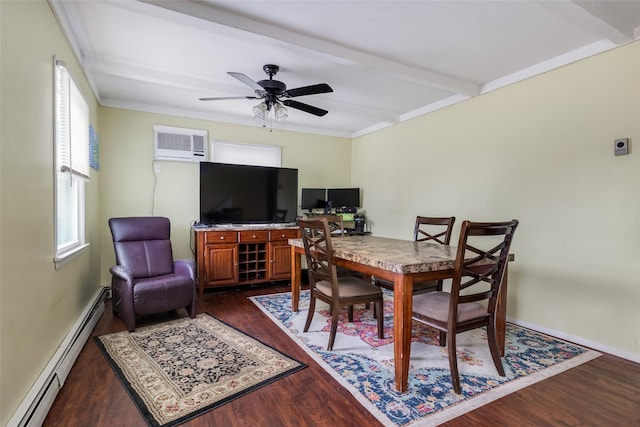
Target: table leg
[402,309]
[296,271]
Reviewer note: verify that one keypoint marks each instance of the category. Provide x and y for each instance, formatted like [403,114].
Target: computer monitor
[344,197]
[313,198]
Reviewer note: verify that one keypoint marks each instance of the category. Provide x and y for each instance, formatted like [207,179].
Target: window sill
[67,256]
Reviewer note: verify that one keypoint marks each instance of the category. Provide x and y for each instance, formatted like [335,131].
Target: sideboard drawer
[279,235]
[254,236]
[220,237]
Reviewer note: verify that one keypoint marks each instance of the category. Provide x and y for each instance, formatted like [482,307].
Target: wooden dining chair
[336,225]
[432,230]
[479,267]
[325,284]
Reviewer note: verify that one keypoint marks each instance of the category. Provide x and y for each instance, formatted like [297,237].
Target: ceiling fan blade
[246,80]
[305,107]
[219,98]
[309,90]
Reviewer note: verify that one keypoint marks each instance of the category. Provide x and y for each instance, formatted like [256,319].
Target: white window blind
[71,117]
[247,154]
[73,125]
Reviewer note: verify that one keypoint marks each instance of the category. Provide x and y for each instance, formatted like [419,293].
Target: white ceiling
[387,61]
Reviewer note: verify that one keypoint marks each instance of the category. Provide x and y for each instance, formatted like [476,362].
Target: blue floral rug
[363,364]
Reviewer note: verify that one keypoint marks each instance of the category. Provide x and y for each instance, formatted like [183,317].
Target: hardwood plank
[604,391]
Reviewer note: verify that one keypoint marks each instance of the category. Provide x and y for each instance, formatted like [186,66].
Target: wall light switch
[621,146]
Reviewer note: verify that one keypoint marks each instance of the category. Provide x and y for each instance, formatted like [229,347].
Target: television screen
[313,198]
[240,194]
[344,197]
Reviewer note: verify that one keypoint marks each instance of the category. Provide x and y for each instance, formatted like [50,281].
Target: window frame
[66,171]
[241,153]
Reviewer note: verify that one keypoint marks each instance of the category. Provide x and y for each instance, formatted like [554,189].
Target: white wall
[38,304]
[129,185]
[540,151]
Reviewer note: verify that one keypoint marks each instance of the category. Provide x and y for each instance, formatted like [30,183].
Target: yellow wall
[38,304]
[129,185]
[540,151]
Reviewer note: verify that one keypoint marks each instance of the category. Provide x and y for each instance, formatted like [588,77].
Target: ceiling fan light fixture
[280,111]
[260,110]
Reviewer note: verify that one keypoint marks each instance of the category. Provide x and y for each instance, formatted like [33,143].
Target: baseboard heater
[34,408]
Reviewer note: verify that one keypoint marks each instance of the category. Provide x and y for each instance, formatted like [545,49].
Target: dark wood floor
[602,392]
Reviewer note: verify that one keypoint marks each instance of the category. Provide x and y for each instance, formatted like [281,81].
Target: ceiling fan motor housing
[273,87]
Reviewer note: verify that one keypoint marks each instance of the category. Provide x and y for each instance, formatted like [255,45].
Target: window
[246,154]
[71,165]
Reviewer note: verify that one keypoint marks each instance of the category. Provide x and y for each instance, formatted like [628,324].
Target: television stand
[243,255]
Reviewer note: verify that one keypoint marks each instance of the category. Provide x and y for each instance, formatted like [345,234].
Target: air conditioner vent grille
[173,141]
[199,143]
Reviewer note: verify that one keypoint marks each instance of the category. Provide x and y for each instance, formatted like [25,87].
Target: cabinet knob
[282,235]
[254,236]
[221,237]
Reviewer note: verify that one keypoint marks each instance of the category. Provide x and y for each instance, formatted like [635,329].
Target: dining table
[402,262]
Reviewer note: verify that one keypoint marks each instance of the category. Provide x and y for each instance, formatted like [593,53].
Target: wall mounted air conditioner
[179,144]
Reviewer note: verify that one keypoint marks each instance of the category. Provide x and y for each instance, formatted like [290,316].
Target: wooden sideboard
[243,255]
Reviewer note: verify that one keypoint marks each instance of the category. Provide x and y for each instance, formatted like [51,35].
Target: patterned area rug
[363,364]
[180,369]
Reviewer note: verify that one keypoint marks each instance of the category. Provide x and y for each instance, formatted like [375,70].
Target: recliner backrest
[143,245]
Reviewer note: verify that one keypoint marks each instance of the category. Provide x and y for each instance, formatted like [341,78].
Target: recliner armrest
[185,267]
[121,272]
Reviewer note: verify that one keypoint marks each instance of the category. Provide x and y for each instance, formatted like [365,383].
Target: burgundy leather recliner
[146,279]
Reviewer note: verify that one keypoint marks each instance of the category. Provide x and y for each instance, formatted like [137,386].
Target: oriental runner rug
[364,364]
[177,370]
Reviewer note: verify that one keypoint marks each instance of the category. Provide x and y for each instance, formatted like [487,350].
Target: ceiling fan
[275,94]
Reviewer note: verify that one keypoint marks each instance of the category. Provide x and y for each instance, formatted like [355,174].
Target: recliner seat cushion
[161,293]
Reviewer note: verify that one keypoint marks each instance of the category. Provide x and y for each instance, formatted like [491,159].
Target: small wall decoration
[94,149]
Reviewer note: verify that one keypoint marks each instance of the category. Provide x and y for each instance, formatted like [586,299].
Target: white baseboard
[35,406]
[578,340]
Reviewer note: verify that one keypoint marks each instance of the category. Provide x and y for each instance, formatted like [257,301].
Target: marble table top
[398,256]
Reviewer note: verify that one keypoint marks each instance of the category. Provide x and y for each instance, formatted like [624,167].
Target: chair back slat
[431,228]
[478,272]
[316,237]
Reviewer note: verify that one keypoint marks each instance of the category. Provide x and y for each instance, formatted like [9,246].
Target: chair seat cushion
[435,305]
[162,293]
[350,287]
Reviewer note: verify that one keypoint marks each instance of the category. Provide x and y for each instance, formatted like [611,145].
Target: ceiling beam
[339,54]
[596,17]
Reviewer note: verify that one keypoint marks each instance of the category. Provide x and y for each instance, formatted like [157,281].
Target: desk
[402,262]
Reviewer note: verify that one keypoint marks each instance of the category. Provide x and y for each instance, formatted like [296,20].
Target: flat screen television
[344,197]
[313,198]
[240,194]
